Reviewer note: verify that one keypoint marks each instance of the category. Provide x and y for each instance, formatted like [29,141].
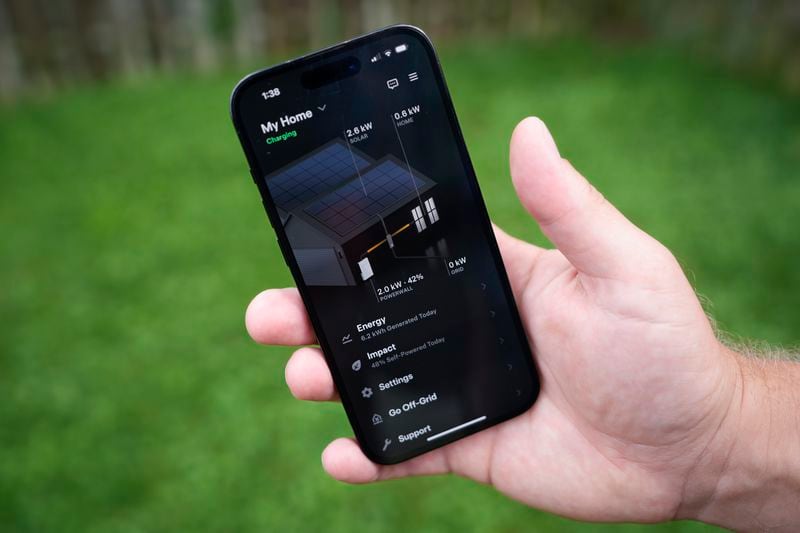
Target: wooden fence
[46,44]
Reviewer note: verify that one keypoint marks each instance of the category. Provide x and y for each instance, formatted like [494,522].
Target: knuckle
[664,255]
[594,197]
[661,265]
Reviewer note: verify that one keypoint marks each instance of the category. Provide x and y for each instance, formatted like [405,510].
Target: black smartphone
[366,179]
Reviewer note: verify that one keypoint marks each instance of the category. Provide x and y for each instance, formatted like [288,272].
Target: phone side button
[283,253]
[269,218]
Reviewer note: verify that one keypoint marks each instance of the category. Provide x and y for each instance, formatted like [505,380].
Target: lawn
[133,238]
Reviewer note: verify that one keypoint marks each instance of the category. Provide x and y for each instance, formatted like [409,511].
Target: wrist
[749,475]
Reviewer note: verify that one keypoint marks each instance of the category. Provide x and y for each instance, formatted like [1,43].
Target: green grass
[132,399]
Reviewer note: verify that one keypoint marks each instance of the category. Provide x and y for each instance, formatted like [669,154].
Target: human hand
[635,385]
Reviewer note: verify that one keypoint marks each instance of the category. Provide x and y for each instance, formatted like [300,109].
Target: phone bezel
[285,247]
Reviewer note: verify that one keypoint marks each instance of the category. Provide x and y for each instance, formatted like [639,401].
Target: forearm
[749,478]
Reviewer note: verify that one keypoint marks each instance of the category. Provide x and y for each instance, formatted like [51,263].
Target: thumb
[596,238]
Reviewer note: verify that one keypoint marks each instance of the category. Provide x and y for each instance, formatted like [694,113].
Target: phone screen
[364,174]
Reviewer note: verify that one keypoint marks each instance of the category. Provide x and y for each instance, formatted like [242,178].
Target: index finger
[278,316]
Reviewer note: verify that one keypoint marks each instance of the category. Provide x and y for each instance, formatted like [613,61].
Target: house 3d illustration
[346,215]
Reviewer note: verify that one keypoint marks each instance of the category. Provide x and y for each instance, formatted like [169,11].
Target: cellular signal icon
[375,58]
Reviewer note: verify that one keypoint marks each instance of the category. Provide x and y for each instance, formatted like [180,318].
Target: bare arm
[750,477]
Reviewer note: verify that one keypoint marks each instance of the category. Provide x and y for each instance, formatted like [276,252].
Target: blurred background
[133,238]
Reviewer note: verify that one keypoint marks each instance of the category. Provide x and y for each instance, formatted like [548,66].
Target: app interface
[385,224]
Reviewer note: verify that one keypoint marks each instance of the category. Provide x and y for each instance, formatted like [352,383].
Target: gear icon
[366,392]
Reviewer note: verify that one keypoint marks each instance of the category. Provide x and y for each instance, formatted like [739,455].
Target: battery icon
[400,48]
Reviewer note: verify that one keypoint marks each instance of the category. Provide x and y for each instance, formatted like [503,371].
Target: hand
[635,385]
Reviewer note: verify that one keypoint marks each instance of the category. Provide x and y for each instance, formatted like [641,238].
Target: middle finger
[308,376]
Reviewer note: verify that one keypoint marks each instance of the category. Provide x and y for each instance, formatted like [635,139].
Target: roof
[379,191]
[316,174]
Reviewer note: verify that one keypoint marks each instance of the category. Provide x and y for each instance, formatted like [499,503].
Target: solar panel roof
[316,174]
[347,208]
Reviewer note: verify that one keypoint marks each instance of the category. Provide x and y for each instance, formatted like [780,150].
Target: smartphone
[366,180]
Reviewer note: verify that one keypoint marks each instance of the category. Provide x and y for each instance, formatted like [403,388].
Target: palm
[615,412]
[633,380]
